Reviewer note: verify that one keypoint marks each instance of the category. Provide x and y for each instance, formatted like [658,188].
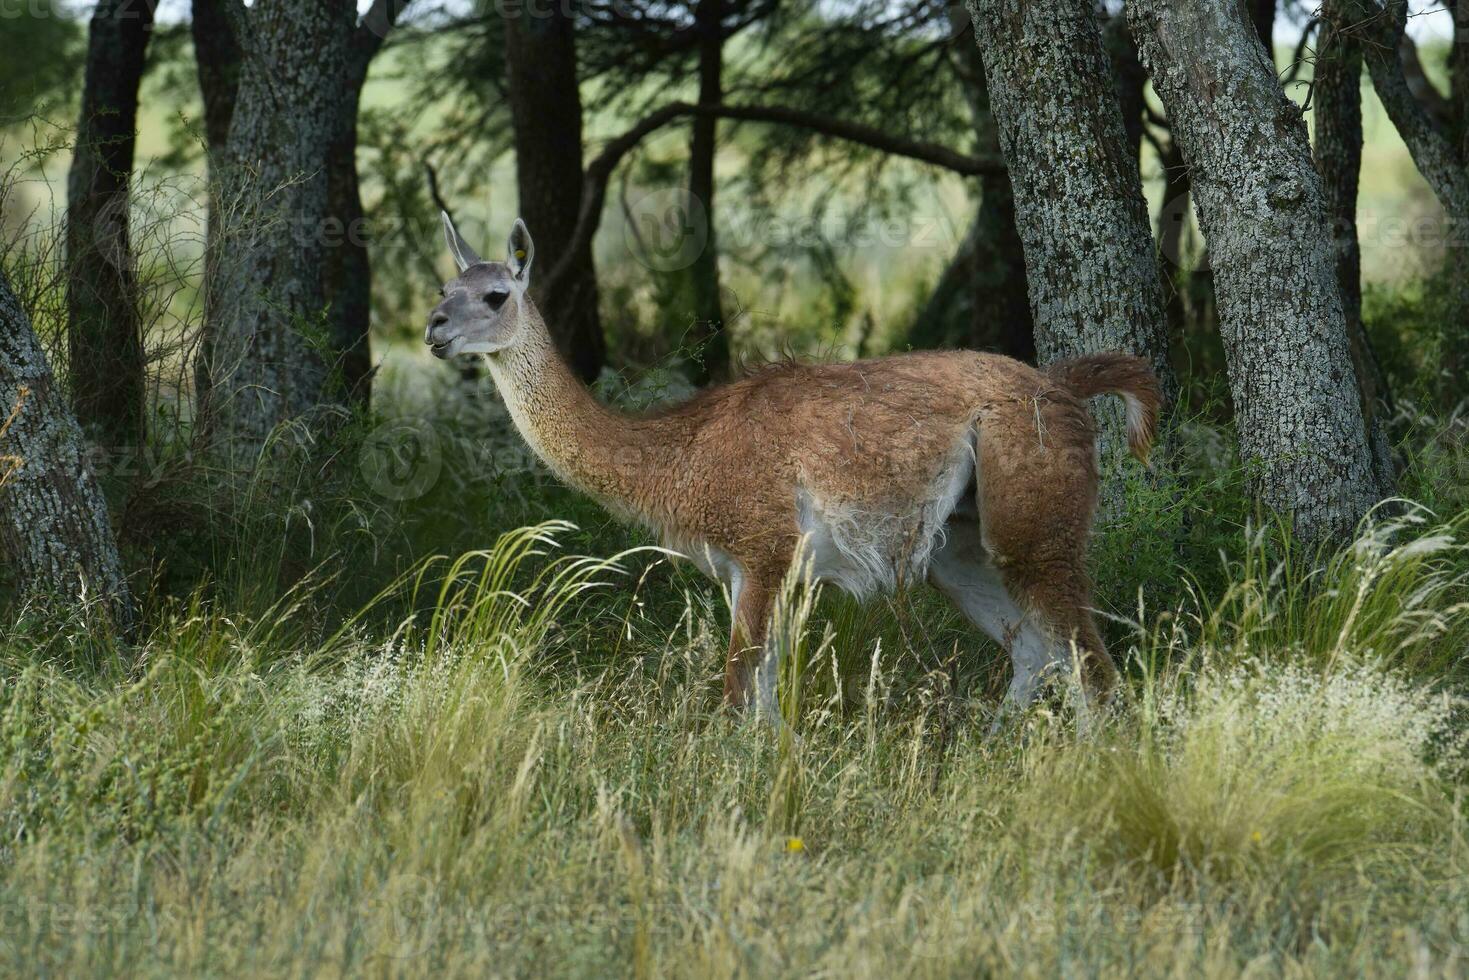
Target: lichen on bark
[269,354]
[55,533]
[1079,206]
[1260,205]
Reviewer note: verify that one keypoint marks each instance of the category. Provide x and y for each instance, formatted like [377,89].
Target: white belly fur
[864,550]
[861,550]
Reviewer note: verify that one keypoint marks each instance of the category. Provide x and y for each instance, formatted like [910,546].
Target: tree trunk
[976,303]
[280,340]
[1001,317]
[266,349]
[1093,275]
[55,534]
[1459,73]
[1173,214]
[708,333]
[1455,367]
[104,326]
[1337,96]
[1440,151]
[1130,78]
[217,60]
[947,316]
[348,272]
[1259,201]
[545,111]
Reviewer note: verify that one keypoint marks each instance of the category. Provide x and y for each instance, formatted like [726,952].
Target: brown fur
[725,468]
[1117,374]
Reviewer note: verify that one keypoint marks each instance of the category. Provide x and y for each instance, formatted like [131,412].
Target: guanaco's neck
[590,445]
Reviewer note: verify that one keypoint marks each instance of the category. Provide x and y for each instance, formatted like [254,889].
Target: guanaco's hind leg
[1035,502]
[1013,561]
[961,569]
[1060,595]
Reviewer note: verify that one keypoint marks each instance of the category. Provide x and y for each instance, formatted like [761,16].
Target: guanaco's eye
[496,299]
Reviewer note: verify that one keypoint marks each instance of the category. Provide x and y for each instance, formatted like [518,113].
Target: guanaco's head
[481,309]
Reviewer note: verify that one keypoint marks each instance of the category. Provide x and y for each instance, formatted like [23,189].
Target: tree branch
[1428,142]
[1424,91]
[433,190]
[1298,57]
[594,190]
[599,171]
[860,133]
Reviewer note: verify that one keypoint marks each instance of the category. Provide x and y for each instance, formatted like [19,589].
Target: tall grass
[1396,595]
[1278,790]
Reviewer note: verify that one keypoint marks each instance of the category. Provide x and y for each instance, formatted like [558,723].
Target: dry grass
[442,799]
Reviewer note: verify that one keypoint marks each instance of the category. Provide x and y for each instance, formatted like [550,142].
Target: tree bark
[1132,81]
[217,58]
[104,325]
[708,331]
[266,346]
[1337,98]
[1130,77]
[1459,74]
[1093,275]
[348,272]
[55,533]
[546,113]
[1173,213]
[217,61]
[1458,263]
[288,288]
[1259,201]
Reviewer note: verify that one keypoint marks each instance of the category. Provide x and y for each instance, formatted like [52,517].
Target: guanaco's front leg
[749,632]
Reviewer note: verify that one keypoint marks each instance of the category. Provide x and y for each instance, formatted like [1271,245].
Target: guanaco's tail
[1117,374]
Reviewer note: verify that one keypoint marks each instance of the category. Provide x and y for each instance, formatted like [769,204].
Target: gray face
[480,312]
[477,314]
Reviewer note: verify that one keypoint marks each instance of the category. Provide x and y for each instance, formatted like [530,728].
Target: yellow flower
[1257,837]
[794,845]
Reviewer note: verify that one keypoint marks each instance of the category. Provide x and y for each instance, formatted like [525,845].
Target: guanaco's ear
[522,252]
[464,256]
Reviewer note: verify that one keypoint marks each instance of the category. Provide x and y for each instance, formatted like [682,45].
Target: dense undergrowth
[514,762]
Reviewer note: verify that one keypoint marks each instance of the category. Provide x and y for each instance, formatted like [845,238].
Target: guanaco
[971,471]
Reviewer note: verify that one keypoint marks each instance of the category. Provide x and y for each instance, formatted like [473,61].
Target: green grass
[469,791]
[337,756]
